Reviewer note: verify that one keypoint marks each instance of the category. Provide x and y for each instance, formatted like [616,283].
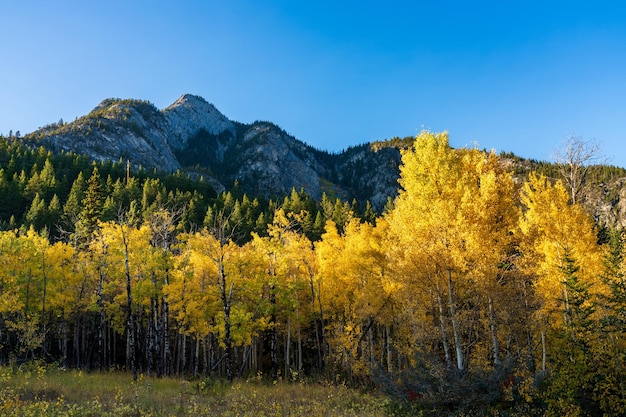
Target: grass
[36,390]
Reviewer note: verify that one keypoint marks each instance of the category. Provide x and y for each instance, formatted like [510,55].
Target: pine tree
[574,378]
[36,214]
[72,206]
[91,207]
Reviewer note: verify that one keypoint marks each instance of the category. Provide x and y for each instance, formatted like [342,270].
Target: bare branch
[573,158]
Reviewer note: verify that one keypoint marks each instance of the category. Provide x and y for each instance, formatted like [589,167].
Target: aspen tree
[287,256]
[423,224]
[357,292]
[451,227]
[555,232]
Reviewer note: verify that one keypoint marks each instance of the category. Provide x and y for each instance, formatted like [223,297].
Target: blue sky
[513,76]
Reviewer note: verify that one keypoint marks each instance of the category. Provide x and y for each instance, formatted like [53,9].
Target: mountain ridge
[192,136]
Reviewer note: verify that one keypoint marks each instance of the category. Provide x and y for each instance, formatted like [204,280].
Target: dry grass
[40,391]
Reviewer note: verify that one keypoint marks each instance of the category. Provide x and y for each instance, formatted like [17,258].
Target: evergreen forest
[473,291]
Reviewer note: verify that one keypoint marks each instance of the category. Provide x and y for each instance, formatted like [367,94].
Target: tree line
[472,289]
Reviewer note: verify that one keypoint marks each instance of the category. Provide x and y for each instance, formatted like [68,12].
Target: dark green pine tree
[612,392]
[209,217]
[318,226]
[47,178]
[72,206]
[191,218]
[574,374]
[614,277]
[260,226]
[327,207]
[342,213]
[369,215]
[36,214]
[53,217]
[92,208]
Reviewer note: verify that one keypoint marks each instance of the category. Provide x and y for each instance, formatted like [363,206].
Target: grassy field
[35,390]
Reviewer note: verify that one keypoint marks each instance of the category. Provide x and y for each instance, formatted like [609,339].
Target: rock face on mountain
[189,115]
[193,136]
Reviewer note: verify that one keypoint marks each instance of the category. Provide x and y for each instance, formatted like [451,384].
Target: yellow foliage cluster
[468,267]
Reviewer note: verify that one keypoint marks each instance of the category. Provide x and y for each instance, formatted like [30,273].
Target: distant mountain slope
[191,135]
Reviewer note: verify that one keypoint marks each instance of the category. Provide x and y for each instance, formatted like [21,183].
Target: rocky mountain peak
[193,136]
[190,114]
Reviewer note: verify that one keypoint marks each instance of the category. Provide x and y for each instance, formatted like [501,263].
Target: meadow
[41,390]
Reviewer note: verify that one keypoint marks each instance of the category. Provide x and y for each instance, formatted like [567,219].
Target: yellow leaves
[552,228]
[355,288]
[456,210]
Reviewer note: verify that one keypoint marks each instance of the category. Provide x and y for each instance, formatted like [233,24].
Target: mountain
[193,136]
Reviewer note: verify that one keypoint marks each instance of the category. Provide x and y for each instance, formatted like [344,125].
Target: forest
[472,290]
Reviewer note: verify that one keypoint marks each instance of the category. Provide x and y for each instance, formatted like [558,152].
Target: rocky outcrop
[193,136]
[190,114]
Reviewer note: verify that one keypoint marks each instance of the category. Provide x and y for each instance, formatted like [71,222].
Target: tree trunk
[183,356]
[76,342]
[225,295]
[64,328]
[494,334]
[150,340]
[388,346]
[273,336]
[442,326]
[322,331]
[456,331]
[100,303]
[543,351]
[130,319]
[299,339]
[531,356]
[196,364]
[43,303]
[166,360]
[318,342]
[287,348]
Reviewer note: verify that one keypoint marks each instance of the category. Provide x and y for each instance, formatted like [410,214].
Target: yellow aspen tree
[555,231]
[489,219]
[127,252]
[10,299]
[215,277]
[423,223]
[192,293]
[363,263]
[358,294]
[69,290]
[291,250]
[287,258]
[333,294]
[33,255]
[450,230]
[162,224]
[18,309]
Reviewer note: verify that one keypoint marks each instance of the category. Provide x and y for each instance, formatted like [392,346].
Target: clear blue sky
[513,76]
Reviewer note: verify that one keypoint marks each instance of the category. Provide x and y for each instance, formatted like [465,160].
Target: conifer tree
[92,205]
[72,206]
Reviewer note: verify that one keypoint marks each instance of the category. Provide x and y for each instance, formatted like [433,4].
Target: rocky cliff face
[190,114]
[193,136]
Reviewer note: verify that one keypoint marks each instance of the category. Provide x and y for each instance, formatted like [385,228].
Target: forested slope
[475,290]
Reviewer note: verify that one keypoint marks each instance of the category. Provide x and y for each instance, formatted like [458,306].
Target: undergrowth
[41,390]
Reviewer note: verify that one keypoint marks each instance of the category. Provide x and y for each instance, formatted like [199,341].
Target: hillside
[435,302]
[192,136]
